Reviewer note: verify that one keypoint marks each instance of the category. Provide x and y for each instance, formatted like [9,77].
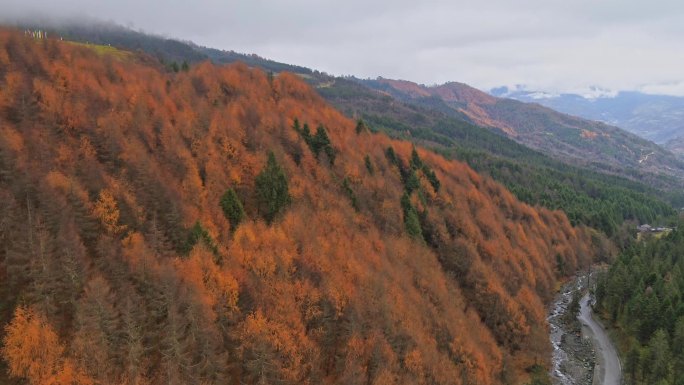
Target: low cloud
[550,45]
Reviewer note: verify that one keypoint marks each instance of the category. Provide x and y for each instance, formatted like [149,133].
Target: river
[582,351]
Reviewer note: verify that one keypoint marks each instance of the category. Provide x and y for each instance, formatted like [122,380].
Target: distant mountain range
[659,118]
[577,140]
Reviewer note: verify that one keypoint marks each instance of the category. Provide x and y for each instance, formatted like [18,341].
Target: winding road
[607,370]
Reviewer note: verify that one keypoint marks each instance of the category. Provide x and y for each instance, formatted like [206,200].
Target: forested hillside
[597,199]
[223,226]
[642,295]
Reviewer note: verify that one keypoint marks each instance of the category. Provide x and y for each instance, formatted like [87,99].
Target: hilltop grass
[104,50]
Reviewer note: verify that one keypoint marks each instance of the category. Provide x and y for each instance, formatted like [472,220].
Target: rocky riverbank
[574,358]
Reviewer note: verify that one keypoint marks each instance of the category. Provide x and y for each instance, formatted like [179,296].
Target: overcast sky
[549,45]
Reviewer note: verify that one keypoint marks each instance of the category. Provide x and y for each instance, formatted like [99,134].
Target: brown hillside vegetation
[118,265]
[575,140]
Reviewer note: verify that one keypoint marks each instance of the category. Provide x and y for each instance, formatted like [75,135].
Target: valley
[173,213]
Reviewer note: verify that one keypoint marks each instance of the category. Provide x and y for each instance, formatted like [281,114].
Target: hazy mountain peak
[659,118]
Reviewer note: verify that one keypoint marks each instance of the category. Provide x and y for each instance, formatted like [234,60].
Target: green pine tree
[391,156]
[369,165]
[271,189]
[232,208]
[411,219]
[416,163]
[412,182]
[660,357]
[346,186]
[306,134]
[432,177]
[198,233]
[361,126]
[320,141]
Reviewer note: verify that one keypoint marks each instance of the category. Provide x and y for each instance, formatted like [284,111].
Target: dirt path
[607,370]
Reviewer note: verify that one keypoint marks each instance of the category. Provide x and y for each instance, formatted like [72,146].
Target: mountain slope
[659,118]
[167,50]
[641,296]
[581,142]
[595,199]
[676,145]
[577,140]
[113,173]
[590,198]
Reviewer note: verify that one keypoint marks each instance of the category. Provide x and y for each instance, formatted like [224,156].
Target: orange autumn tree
[33,351]
[107,211]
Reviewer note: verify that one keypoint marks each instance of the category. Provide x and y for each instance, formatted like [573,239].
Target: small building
[648,231]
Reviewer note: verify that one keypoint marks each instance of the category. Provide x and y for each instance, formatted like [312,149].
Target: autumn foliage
[33,351]
[123,267]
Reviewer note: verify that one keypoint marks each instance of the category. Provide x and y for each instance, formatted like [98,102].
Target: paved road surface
[608,370]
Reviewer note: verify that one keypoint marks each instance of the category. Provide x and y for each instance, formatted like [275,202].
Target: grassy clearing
[104,50]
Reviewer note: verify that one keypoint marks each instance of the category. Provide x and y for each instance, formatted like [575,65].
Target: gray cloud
[551,45]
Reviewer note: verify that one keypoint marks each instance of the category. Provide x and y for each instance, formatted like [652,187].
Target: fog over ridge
[552,45]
